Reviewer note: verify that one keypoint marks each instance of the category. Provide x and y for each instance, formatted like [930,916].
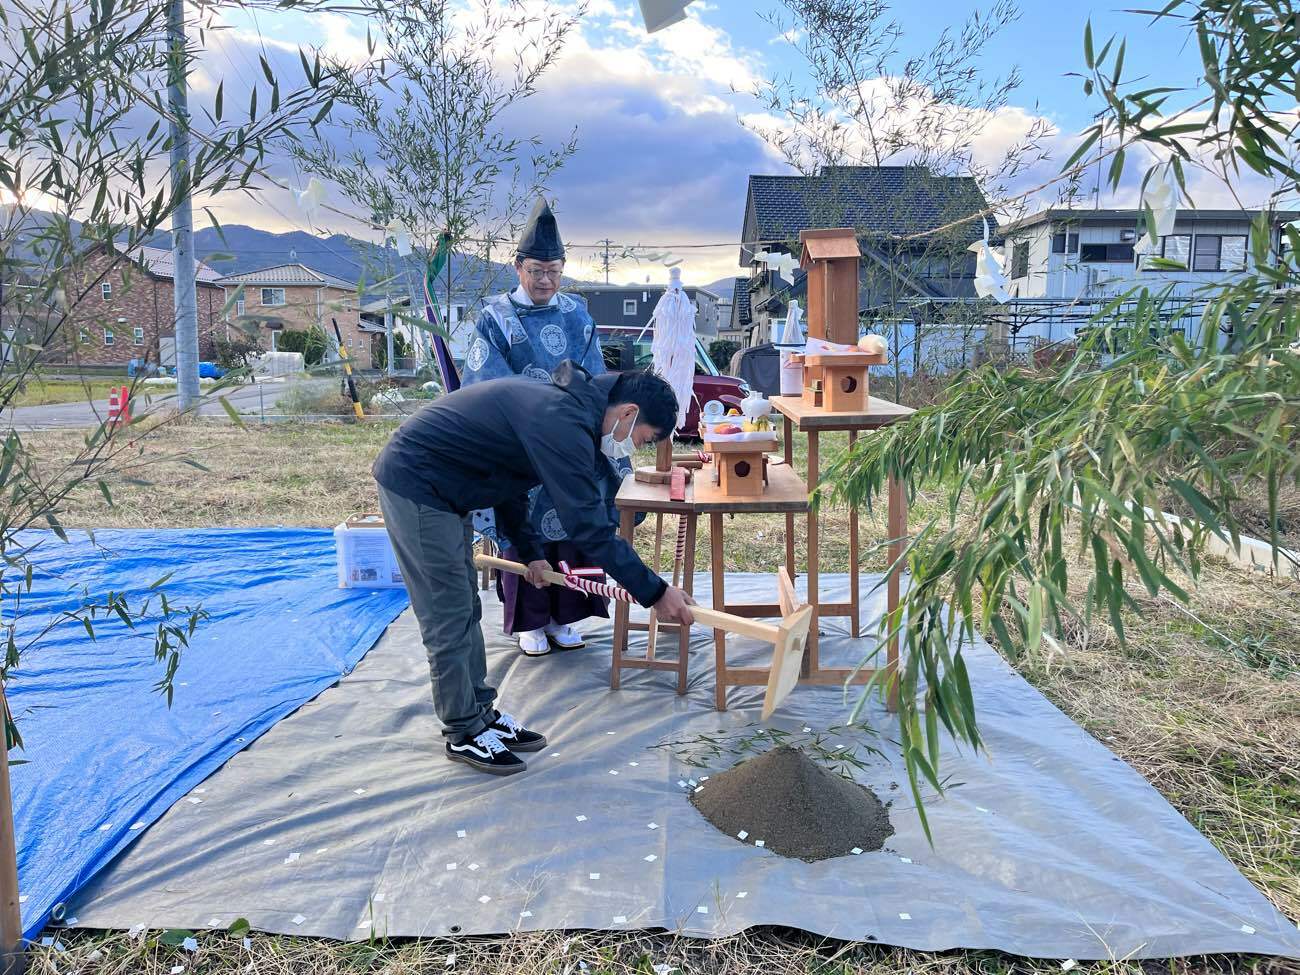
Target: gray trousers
[435,550]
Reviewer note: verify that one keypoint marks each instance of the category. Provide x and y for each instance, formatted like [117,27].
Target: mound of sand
[797,807]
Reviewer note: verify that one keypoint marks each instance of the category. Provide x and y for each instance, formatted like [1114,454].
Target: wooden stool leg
[810,662]
[621,610]
[719,603]
[652,632]
[788,449]
[855,612]
[897,541]
[688,576]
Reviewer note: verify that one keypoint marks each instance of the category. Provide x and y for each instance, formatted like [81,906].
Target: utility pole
[185,300]
[605,263]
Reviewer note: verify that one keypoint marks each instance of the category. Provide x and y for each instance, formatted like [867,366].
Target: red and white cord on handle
[580,580]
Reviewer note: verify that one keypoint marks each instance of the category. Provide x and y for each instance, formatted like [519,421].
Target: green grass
[50,392]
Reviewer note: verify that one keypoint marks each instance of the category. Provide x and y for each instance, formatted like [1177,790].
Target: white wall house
[1089,253]
[1087,257]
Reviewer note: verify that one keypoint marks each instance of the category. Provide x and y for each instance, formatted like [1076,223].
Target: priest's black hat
[541,237]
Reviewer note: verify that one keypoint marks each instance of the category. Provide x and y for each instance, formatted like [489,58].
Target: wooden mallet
[788,638]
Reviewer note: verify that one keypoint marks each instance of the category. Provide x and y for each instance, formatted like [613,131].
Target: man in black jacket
[486,446]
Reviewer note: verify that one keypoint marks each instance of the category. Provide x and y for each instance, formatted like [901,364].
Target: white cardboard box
[364,554]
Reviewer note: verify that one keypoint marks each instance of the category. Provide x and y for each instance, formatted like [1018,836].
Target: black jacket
[487,445]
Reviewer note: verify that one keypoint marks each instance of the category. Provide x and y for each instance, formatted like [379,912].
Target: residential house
[633,304]
[294,297]
[1065,263]
[127,309]
[1068,253]
[741,323]
[901,215]
[727,329]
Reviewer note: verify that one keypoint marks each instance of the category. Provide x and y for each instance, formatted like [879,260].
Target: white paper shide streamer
[311,198]
[1160,194]
[673,345]
[990,275]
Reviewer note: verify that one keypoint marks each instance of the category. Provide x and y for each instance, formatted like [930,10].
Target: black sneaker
[516,736]
[487,752]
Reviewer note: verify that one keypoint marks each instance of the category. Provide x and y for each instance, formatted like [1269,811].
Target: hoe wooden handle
[702,614]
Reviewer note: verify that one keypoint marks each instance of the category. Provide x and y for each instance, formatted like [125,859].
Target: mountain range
[237,248]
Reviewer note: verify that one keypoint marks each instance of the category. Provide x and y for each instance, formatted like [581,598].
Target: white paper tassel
[310,199]
[1160,193]
[990,278]
[673,345]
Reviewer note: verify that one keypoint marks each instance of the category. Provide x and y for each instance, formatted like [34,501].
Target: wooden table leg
[810,663]
[626,525]
[688,584]
[855,611]
[719,603]
[897,542]
[789,518]
[652,633]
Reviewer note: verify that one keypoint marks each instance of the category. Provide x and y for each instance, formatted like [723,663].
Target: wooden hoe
[788,638]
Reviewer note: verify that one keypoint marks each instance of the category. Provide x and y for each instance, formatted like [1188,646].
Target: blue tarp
[105,756]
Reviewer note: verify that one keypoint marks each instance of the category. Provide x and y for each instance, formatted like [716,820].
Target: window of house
[137,336]
[1066,242]
[629,306]
[272,297]
[83,337]
[1232,257]
[108,336]
[1020,261]
[106,290]
[1205,253]
[1106,253]
[239,308]
[1128,236]
[457,312]
[1177,247]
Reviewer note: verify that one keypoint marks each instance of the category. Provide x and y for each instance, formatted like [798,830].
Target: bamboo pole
[12,957]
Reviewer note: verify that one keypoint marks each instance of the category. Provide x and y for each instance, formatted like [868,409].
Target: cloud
[663,155]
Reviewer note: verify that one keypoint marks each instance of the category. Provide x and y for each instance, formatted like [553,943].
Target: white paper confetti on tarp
[1124,845]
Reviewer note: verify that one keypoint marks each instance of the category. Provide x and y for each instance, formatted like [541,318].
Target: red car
[626,347]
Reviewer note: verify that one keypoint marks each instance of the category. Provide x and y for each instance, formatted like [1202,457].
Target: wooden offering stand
[740,466]
[844,382]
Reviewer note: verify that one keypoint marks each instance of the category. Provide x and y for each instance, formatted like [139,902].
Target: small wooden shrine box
[739,464]
[831,259]
[844,380]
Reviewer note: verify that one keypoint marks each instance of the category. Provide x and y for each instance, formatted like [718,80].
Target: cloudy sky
[663,156]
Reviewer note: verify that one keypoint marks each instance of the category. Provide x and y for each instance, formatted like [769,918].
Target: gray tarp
[345,815]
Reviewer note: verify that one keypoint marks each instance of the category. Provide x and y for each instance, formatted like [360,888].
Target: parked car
[627,347]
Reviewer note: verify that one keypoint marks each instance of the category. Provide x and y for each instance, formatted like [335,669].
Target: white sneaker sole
[477,763]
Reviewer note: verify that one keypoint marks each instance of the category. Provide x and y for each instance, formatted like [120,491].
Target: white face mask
[618,449]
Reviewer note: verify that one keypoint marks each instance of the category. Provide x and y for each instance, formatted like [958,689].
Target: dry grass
[274,475]
[1205,702]
[759,951]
